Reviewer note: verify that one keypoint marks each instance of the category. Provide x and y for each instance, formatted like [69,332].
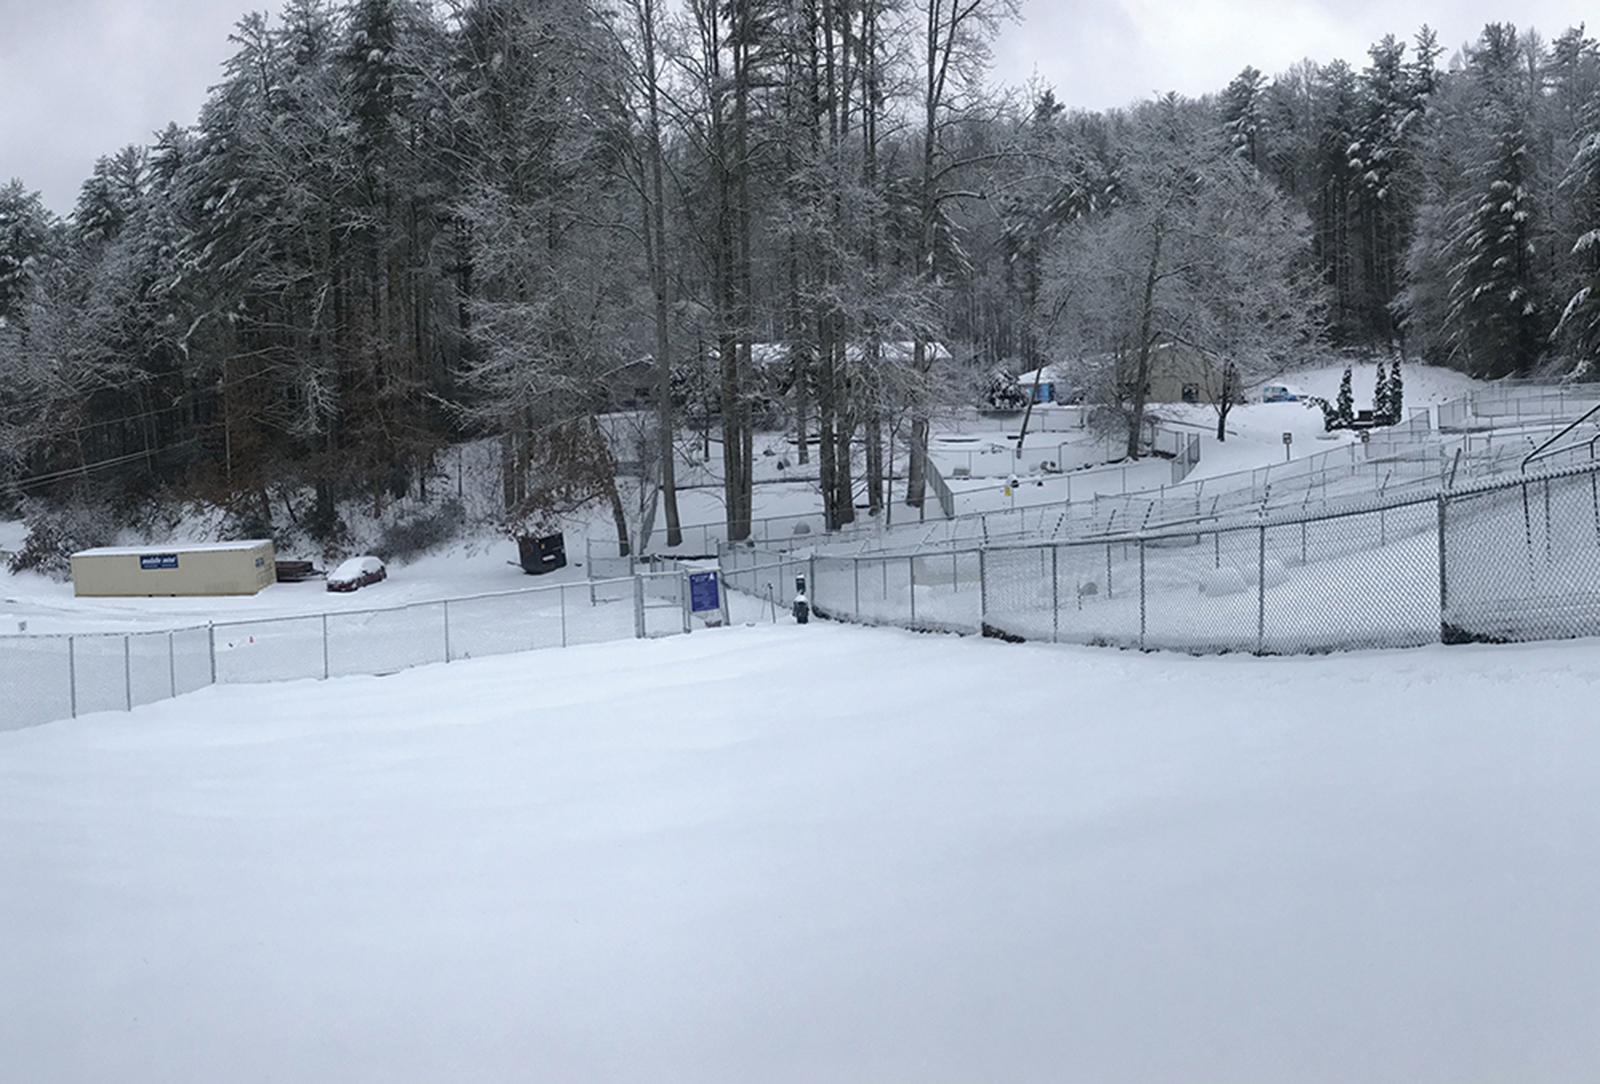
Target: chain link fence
[1522,560]
[48,677]
[54,677]
[1496,561]
[1502,561]
[1363,578]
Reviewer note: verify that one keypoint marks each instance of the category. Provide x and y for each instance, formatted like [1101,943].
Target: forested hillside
[397,225]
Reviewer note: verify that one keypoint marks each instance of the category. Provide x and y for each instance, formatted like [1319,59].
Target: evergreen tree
[1338,104]
[1241,115]
[25,228]
[1495,316]
[1345,405]
[1577,239]
[1381,414]
[1397,397]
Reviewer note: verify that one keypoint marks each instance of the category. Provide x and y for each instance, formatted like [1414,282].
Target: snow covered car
[356,572]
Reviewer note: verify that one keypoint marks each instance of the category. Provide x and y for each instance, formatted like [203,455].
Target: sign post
[1288,439]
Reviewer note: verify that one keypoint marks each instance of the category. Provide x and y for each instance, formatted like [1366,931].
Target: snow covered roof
[764,354]
[172,547]
[1049,374]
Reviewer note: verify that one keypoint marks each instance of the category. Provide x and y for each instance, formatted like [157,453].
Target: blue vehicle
[1277,393]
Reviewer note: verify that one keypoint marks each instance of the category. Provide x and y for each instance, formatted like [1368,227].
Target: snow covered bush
[999,391]
[421,531]
[1330,415]
[55,533]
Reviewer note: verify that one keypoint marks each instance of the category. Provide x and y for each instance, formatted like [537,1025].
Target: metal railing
[1178,454]
[1502,560]
[1398,463]
[1511,401]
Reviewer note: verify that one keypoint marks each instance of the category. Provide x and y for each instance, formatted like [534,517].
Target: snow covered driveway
[818,854]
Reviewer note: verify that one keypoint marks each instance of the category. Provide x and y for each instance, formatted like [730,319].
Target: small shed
[1046,385]
[196,568]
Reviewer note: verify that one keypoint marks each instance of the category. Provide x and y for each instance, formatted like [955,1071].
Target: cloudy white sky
[80,78]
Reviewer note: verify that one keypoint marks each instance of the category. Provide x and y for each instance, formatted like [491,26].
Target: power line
[98,465]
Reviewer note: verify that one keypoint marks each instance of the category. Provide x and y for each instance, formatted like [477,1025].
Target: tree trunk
[1141,380]
[656,249]
[619,516]
[827,424]
[844,502]
[874,436]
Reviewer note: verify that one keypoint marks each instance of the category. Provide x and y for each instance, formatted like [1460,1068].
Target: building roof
[777,353]
[1048,374]
[172,547]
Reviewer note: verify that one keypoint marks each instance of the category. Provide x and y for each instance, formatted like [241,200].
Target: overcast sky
[81,78]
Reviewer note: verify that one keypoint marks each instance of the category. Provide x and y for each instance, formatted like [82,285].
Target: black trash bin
[542,554]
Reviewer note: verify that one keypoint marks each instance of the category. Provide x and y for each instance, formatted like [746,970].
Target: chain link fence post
[1055,594]
[211,649]
[638,607]
[127,671]
[324,647]
[1261,589]
[911,578]
[447,630]
[983,588]
[172,668]
[1141,595]
[1444,590]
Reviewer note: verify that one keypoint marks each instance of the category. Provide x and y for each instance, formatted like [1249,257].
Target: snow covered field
[468,569]
[818,854]
[827,853]
[982,444]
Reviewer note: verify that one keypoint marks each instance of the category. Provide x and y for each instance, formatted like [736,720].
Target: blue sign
[159,560]
[703,593]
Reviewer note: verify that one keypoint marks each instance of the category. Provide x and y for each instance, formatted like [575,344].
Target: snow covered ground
[466,569]
[824,853]
[983,444]
[827,853]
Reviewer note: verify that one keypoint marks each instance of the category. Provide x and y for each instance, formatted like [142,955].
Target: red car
[356,572]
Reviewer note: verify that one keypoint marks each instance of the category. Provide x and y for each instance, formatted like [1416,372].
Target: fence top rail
[106,635]
[1164,531]
[1281,518]
[1180,530]
[1233,515]
[1167,531]
[398,607]
[870,526]
[541,589]
[1485,485]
